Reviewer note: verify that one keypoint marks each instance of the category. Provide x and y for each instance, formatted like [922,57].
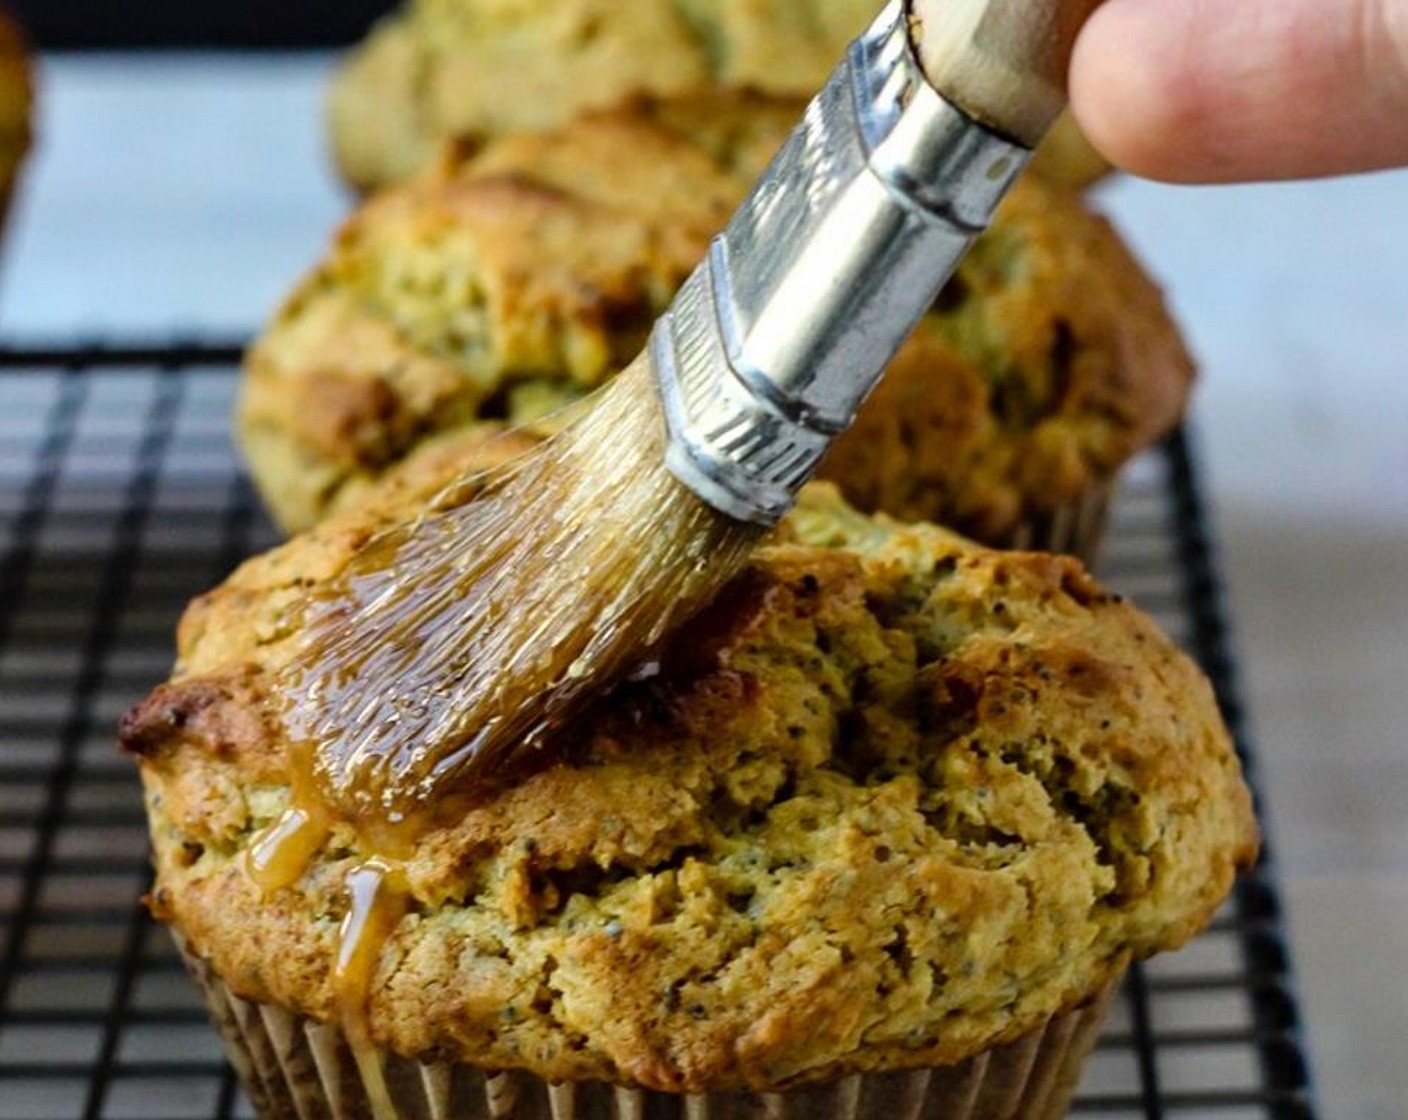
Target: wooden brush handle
[1003,62]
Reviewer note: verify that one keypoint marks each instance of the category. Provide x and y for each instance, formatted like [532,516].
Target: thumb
[1223,90]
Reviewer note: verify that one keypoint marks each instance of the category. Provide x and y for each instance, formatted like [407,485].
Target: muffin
[507,282]
[473,70]
[881,827]
[16,108]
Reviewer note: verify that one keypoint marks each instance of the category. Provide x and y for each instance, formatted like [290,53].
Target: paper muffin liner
[295,1069]
[1075,527]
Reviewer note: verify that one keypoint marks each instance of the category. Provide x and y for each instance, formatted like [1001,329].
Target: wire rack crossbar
[121,498]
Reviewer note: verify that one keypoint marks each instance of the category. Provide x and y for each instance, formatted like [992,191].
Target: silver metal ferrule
[773,343]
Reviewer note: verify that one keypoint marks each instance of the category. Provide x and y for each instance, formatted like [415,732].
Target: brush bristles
[451,648]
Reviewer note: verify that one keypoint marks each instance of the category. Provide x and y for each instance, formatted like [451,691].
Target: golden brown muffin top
[472,70]
[508,281]
[891,800]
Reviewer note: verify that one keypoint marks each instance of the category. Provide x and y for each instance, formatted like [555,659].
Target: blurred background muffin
[471,70]
[509,279]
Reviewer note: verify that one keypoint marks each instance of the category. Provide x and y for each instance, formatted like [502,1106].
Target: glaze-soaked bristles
[452,646]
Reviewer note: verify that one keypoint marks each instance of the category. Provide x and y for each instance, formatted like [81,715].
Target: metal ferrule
[775,340]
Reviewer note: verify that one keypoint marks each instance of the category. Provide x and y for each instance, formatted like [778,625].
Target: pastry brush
[448,651]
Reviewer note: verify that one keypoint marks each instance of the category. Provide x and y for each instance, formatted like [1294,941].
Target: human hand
[1228,90]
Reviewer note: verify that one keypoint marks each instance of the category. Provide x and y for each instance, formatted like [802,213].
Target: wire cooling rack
[121,498]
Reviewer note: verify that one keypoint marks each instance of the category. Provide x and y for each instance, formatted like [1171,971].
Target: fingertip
[1210,92]
[1124,92]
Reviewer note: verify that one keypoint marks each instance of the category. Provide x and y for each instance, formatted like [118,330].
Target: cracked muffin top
[891,800]
[472,70]
[509,281]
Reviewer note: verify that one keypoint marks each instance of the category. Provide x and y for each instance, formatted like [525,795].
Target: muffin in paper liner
[892,801]
[296,1069]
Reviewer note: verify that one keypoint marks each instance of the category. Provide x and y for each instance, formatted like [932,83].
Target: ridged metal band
[776,339]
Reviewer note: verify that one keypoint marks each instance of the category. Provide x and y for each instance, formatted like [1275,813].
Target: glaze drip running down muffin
[893,800]
[505,284]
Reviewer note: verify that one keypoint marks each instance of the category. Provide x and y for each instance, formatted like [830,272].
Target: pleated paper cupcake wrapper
[294,1069]
[1075,528]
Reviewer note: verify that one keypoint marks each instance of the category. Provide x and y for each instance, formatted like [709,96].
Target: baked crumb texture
[437,70]
[893,800]
[507,282]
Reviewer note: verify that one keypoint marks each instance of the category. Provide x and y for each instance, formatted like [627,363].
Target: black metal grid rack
[120,498]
